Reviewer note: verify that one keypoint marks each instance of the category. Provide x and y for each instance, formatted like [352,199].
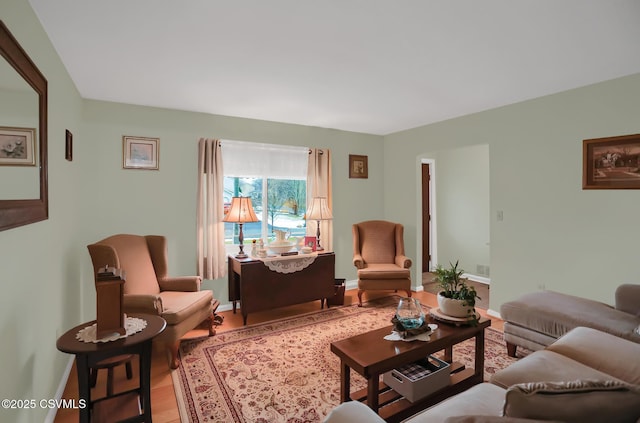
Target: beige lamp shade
[241,211]
[319,209]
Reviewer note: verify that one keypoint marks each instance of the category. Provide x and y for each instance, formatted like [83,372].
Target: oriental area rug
[283,370]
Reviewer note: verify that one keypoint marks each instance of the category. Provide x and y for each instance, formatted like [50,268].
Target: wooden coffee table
[370,355]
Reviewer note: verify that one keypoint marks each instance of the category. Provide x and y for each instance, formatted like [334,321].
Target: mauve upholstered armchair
[148,288]
[378,253]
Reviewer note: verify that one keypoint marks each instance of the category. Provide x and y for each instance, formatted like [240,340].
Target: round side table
[89,354]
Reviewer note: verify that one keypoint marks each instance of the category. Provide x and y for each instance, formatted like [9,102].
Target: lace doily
[131,325]
[395,336]
[289,264]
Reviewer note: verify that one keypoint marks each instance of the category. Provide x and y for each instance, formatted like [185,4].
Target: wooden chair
[378,253]
[148,288]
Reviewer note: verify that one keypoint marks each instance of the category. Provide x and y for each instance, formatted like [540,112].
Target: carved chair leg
[408,291]
[360,291]
[210,324]
[172,354]
[215,319]
[511,349]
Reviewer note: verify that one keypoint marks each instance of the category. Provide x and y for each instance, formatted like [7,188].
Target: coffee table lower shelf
[393,407]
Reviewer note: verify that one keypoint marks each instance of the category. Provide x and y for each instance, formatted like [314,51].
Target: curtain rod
[321,152]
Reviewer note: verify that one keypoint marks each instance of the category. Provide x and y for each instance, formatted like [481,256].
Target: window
[274,177]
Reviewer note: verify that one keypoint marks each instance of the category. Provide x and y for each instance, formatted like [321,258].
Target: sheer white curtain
[319,185]
[212,257]
[256,160]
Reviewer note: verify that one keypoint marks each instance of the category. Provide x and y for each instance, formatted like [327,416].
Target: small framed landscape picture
[358,166]
[310,241]
[140,153]
[17,146]
[611,163]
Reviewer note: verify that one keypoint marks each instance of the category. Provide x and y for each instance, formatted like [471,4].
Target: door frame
[433,227]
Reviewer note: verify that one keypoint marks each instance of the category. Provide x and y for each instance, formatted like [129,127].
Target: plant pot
[454,308]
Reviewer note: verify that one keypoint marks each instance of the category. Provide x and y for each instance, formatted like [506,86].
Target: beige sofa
[585,376]
[537,319]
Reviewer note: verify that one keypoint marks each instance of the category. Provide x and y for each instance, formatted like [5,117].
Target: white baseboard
[225,307]
[494,313]
[51,415]
[475,278]
[352,284]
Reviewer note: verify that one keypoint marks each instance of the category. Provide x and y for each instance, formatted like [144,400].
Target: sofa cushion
[135,260]
[377,241]
[177,306]
[574,402]
[495,419]
[601,351]
[545,366]
[352,412]
[484,399]
[383,271]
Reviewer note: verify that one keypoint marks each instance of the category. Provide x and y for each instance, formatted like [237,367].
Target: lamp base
[241,256]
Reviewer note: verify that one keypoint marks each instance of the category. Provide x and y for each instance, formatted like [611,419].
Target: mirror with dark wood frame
[16,212]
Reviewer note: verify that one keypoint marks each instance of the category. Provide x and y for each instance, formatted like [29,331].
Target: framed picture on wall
[611,163]
[358,166]
[140,153]
[17,146]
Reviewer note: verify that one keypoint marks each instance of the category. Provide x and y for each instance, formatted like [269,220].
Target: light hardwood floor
[164,408]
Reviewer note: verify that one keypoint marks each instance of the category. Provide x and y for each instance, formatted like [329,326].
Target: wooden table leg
[479,359]
[84,391]
[373,390]
[448,354]
[145,380]
[345,383]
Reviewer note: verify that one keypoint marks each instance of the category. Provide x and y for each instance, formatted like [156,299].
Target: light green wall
[461,218]
[40,263]
[163,202]
[45,267]
[554,234]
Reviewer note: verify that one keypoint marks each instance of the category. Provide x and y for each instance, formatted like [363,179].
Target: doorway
[426,217]
[460,230]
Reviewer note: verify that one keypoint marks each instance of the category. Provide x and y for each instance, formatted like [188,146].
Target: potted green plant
[457,298]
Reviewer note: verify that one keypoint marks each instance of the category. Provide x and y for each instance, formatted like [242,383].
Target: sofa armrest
[628,299]
[352,412]
[403,261]
[142,303]
[358,261]
[183,283]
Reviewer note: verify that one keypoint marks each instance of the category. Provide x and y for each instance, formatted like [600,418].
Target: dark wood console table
[89,353]
[258,288]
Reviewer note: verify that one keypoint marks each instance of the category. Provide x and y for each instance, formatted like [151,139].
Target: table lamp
[319,210]
[240,212]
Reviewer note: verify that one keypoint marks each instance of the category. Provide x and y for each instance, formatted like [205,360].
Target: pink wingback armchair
[148,288]
[378,253]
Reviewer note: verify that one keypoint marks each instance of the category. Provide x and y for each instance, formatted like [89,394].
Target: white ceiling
[369,66]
